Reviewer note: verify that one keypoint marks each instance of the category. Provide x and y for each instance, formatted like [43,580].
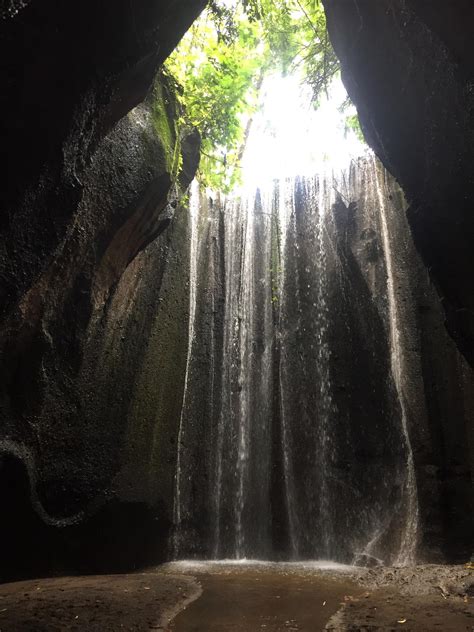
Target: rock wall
[408,66]
[94,300]
[437,383]
[85,470]
[70,73]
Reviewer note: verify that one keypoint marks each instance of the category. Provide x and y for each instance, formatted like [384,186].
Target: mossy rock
[167,116]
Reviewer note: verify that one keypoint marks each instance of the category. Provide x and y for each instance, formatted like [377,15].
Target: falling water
[245,327]
[326,408]
[243,458]
[180,470]
[406,554]
[307,451]
[286,206]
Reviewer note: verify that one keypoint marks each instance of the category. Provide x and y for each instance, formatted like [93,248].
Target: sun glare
[290,137]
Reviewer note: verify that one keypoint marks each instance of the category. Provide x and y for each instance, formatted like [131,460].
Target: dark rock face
[437,383]
[408,66]
[88,487]
[86,192]
[94,296]
[75,71]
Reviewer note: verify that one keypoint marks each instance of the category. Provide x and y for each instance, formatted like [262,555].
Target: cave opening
[236,314]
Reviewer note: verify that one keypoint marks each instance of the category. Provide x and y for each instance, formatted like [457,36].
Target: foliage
[353,124]
[351,121]
[166,121]
[296,33]
[221,63]
[219,72]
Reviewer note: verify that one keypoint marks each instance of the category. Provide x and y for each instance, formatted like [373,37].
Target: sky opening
[289,136]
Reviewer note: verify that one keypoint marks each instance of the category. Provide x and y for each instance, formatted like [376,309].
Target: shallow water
[247,595]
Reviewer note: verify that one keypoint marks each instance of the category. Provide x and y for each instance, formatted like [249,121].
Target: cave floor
[209,597]
[307,597]
[96,603]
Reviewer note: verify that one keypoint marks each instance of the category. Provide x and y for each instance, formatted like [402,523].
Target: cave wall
[94,299]
[408,67]
[437,383]
[86,483]
[92,181]
[69,72]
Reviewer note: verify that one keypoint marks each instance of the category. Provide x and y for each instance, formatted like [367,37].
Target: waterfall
[286,205]
[240,480]
[305,451]
[245,325]
[326,407]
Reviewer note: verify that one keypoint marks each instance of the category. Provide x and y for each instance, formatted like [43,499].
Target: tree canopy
[222,60]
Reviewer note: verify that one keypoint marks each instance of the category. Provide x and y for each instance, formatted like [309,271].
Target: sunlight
[290,137]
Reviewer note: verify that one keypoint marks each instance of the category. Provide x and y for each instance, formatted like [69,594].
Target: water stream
[407,551]
[181,470]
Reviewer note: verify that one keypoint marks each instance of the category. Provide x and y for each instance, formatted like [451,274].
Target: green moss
[149,447]
[166,116]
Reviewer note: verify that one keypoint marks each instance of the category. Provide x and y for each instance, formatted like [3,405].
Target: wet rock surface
[88,186]
[94,309]
[343,306]
[75,71]
[407,65]
[71,351]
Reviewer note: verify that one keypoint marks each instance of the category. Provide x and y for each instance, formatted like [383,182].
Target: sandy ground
[106,603]
[422,598]
[246,597]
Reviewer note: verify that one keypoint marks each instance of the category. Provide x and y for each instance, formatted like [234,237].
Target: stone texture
[94,308]
[73,346]
[69,73]
[437,383]
[407,65]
